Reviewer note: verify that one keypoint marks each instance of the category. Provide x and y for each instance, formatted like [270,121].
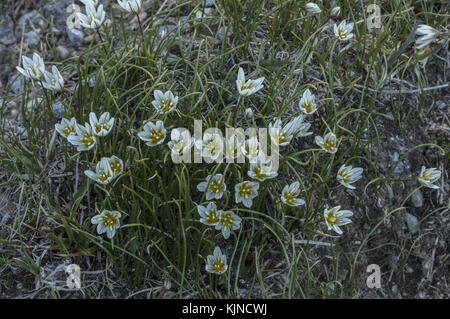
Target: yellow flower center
[426,175]
[281,137]
[109,220]
[329,145]
[116,167]
[35,70]
[331,218]
[103,176]
[179,146]
[247,85]
[165,105]
[155,136]
[215,186]
[308,107]
[245,190]
[99,127]
[218,266]
[212,217]
[226,219]
[289,198]
[345,176]
[88,139]
[259,172]
[212,147]
[343,33]
[68,130]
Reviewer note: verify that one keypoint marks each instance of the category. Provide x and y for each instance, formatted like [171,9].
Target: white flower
[102,126]
[328,143]
[209,215]
[94,18]
[133,6]
[308,103]
[426,36]
[32,68]
[103,173]
[164,102]
[93,3]
[252,149]
[214,186]
[343,31]
[217,262]
[201,13]
[245,192]
[228,221]
[428,176]
[335,12]
[335,217]
[249,87]
[66,127]
[181,142]
[282,136]
[290,194]
[347,175]
[211,146]
[313,8]
[262,170]
[249,113]
[116,165]
[107,222]
[153,133]
[53,81]
[84,139]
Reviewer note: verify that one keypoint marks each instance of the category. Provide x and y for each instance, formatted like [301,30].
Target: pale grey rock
[6,30]
[417,198]
[16,83]
[63,52]
[75,37]
[412,222]
[32,39]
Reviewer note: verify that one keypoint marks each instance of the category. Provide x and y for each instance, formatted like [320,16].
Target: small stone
[221,32]
[63,52]
[209,3]
[6,30]
[400,167]
[16,83]
[58,109]
[28,19]
[90,38]
[249,113]
[32,39]
[8,61]
[441,105]
[417,198]
[56,31]
[75,37]
[33,104]
[165,30]
[58,11]
[412,222]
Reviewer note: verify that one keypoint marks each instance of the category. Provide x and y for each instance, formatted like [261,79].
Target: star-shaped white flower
[248,87]
[107,222]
